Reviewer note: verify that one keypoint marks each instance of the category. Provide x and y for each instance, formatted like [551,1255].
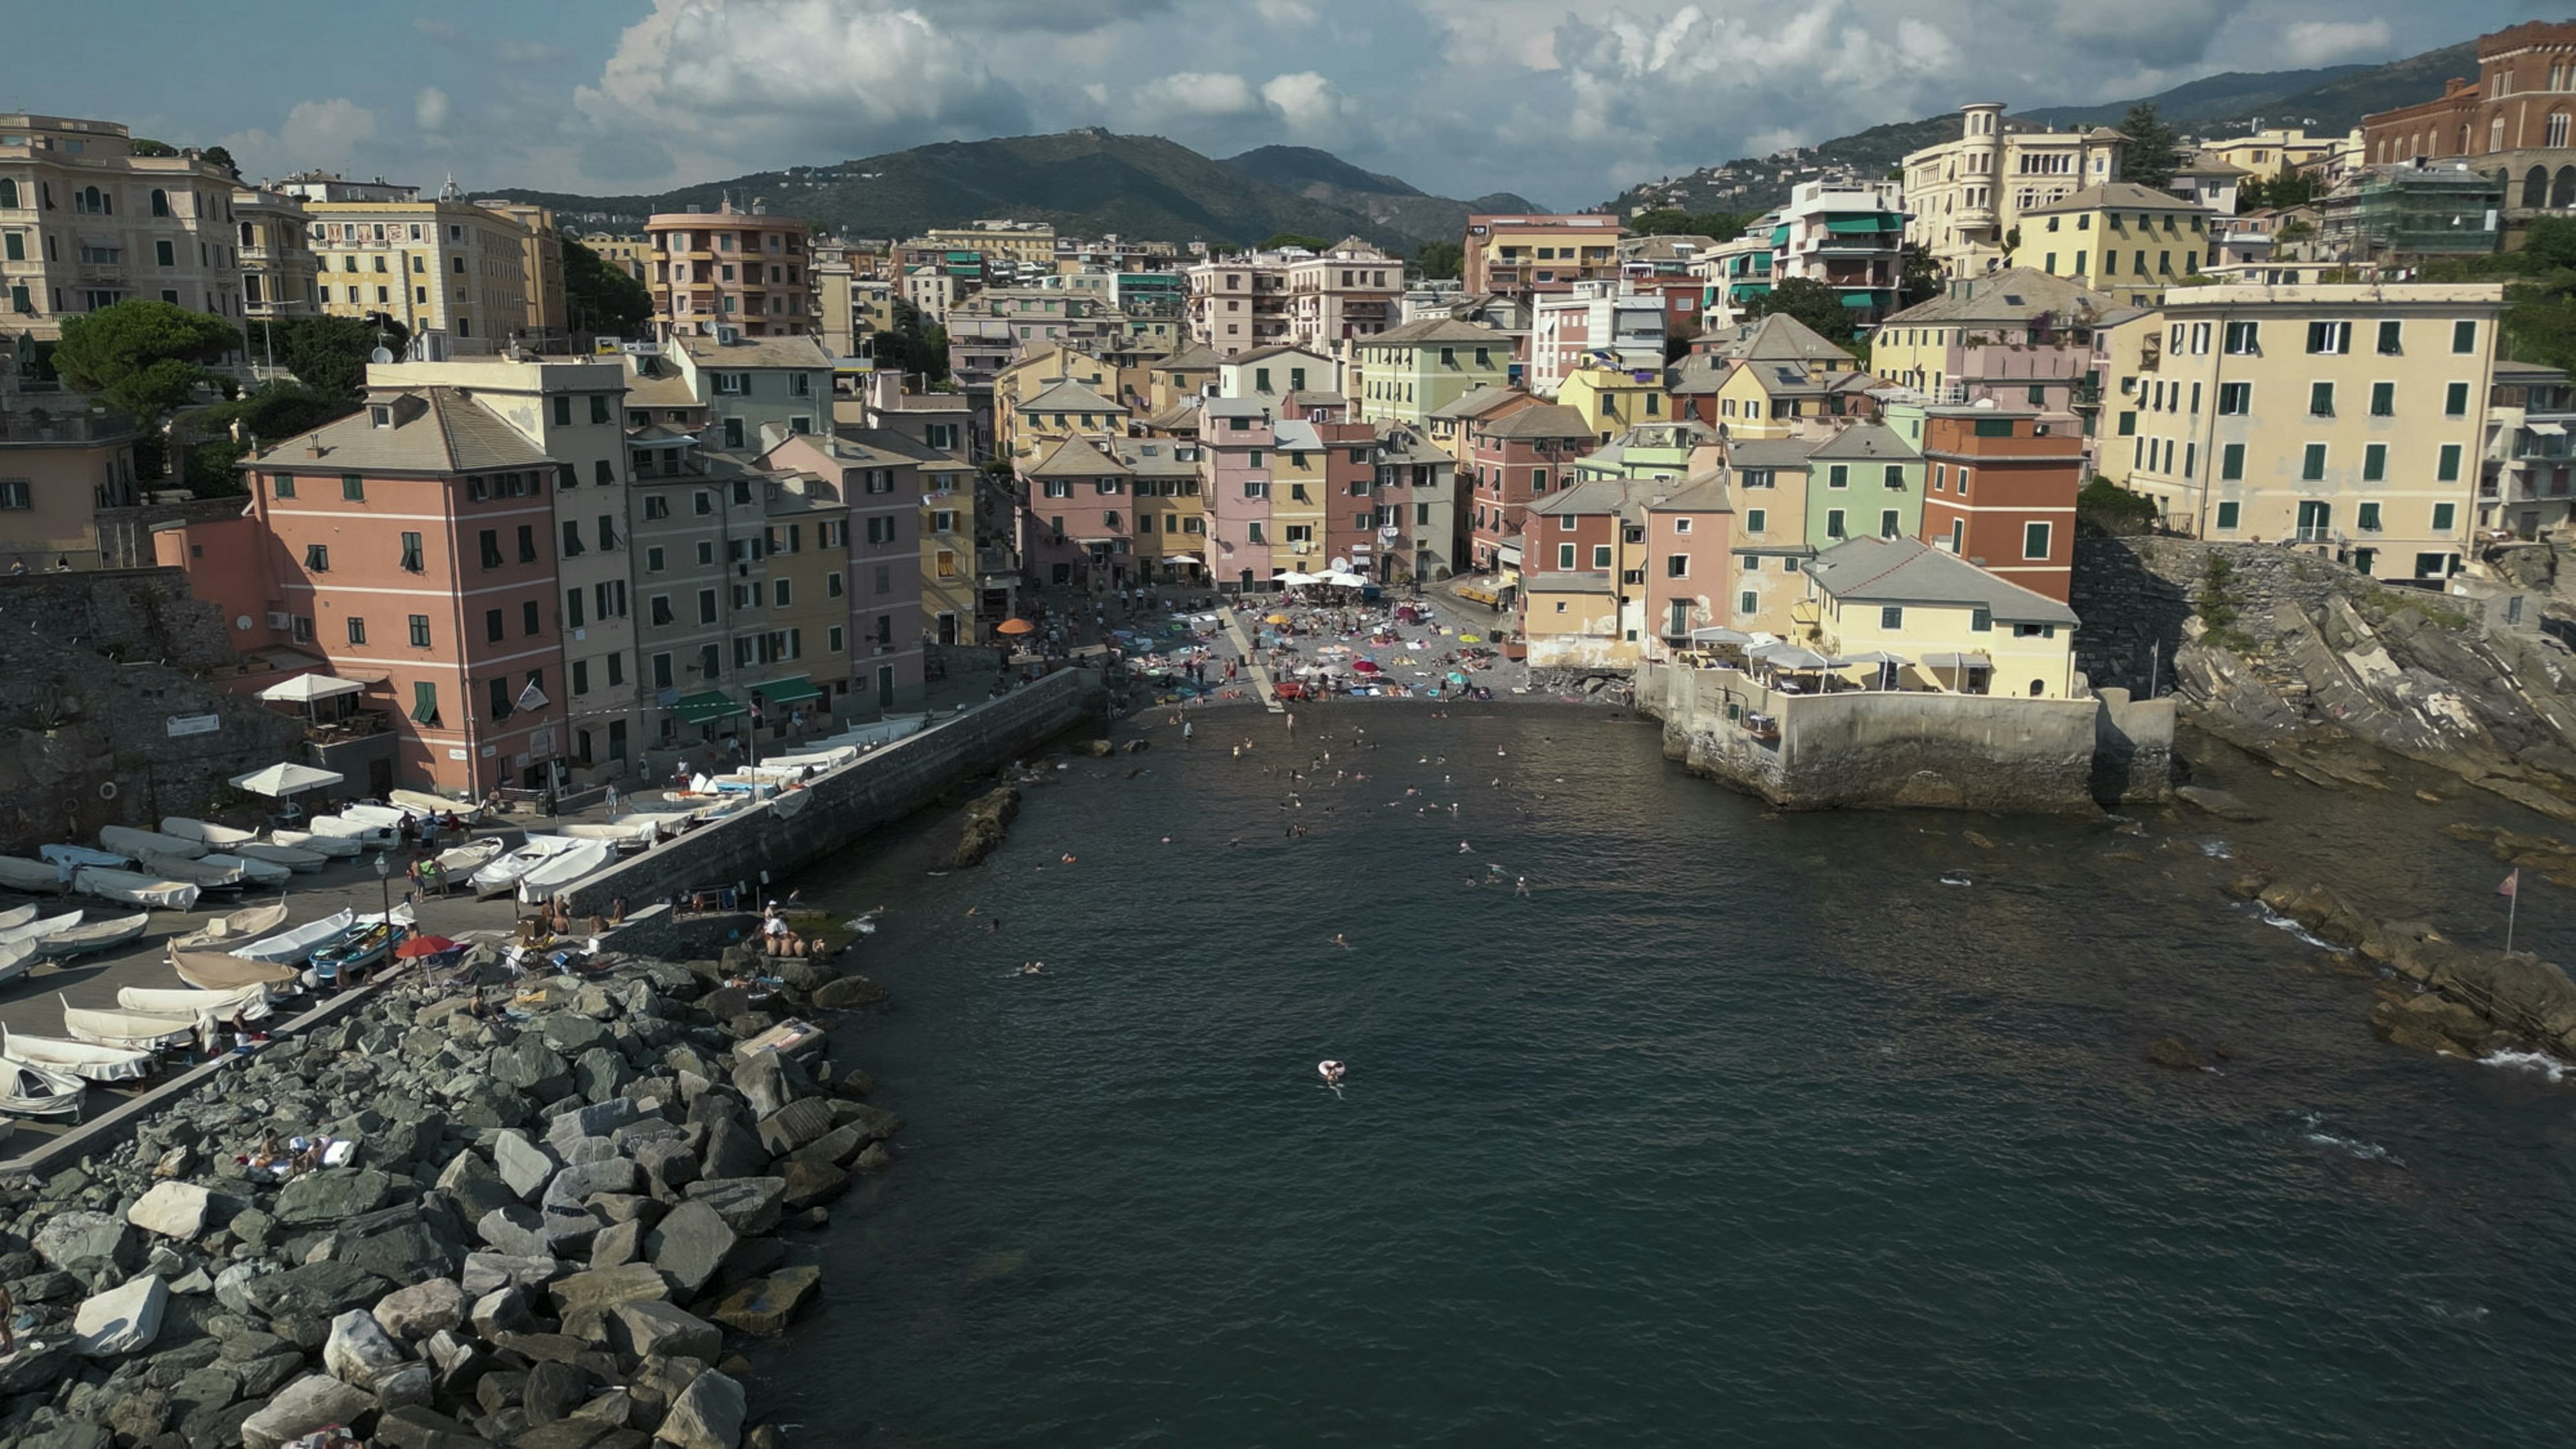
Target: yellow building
[541,256]
[1299,494]
[85,223]
[1612,402]
[56,472]
[445,266]
[632,255]
[1768,478]
[2347,419]
[2127,240]
[1965,196]
[1953,626]
[1169,507]
[1045,398]
[279,273]
[1524,254]
[2264,155]
[808,595]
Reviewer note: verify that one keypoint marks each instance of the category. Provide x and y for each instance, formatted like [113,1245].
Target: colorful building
[1611,401]
[85,224]
[1954,626]
[1526,255]
[2002,493]
[56,473]
[2019,337]
[1965,198]
[1516,459]
[2129,241]
[1410,372]
[726,269]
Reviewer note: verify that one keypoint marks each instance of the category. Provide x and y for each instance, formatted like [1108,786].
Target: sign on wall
[182,725]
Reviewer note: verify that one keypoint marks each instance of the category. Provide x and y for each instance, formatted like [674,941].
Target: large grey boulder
[732,1150]
[473,1184]
[359,1351]
[316,1401]
[645,1329]
[172,1210]
[690,1245]
[330,1195]
[708,1414]
[747,1204]
[600,1119]
[532,1068]
[602,1289]
[122,1320]
[312,1290]
[86,1242]
[765,1082]
[487,1271]
[421,1309]
[524,1166]
[575,1184]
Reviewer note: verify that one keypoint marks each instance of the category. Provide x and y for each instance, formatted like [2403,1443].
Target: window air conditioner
[277,620]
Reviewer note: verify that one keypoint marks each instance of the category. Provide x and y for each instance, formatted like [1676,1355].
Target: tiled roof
[1780,453]
[435,430]
[1436,331]
[2117,196]
[1546,420]
[717,356]
[1069,397]
[1704,493]
[1076,458]
[2009,297]
[1909,571]
[1865,440]
[1476,401]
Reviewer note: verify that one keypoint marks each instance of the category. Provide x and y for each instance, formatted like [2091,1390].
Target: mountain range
[2325,102]
[1087,182]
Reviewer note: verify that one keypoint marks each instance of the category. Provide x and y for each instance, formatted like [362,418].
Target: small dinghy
[464,860]
[372,946]
[28,1090]
[16,960]
[253,871]
[40,928]
[379,817]
[136,844]
[16,916]
[37,877]
[291,947]
[77,856]
[293,857]
[203,872]
[100,935]
[206,832]
[585,858]
[250,1003]
[367,836]
[130,888]
[225,931]
[215,971]
[133,1030]
[79,1058]
[502,875]
[417,803]
[339,847]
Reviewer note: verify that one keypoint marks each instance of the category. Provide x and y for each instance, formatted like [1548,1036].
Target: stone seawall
[1908,750]
[2133,595]
[838,808]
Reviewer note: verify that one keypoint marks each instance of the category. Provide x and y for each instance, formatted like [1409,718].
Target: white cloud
[1195,93]
[328,133]
[429,109]
[1313,109]
[2326,42]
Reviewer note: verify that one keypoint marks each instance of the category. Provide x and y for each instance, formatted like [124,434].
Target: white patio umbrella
[282,780]
[1293,577]
[1345,580]
[306,688]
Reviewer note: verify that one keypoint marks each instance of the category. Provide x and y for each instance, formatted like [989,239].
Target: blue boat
[362,951]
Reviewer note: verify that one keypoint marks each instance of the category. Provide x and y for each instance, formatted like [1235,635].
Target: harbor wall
[1910,750]
[851,801]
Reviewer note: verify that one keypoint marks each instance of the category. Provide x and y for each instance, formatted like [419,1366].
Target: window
[2383,399]
[2455,400]
[353,489]
[162,253]
[2034,540]
[1891,616]
[2128,428]
[572,608]
[572,538]
[1601,555]
[2235,399]
[2444,515]
[563,411]
[357,630]
[2321,399]
[2374,462]
[2227,515]
[656,506]
[2312,463]
[424,702]
[2390,335]
[2449,471]
[1833,523]
[2243,339]
[2329,337]
[500,692]
[1565,557]
[527,543]
[490,539]
[1756,520]
[1747,602]
[2464,333]
[494,629]
[1677,566]
[706,606]
[2034,631]
[1837,475]
[2366,518]
[599,407]
[1891,524]
[2231,462]
[420,631]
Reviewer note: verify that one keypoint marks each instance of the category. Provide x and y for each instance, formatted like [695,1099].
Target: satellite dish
[242,623]
[381,354]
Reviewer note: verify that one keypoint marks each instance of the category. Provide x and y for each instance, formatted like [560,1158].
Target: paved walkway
[1252,665]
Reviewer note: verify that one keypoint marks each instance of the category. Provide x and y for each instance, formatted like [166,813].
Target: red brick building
[2515,118]
[1999,491]
[1513,459]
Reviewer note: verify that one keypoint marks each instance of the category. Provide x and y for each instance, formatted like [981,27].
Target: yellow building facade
[1957,627]
[2123,239]
[1612,402]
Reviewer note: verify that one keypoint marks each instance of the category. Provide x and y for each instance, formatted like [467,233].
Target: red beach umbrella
[426,946]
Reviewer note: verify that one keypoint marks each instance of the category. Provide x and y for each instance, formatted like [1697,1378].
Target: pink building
[1081,511]
[880,487]
[1236,441]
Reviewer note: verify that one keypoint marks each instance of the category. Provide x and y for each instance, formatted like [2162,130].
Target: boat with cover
[220,837]
[417,802]
[339,847]
[16,916]
[380,817]
[16,960]
[247,924]
[37,877]
[503,874]
[136,844]
[464,860]
[140,1031]
[28,1090]
[585,858]
[40,927]
[77,856]
[215,971]
[133,889]
[250,1003]
[80,1058]
[291,947]
[293,857]
[256,872]
[368,836]
[99,935]
[204,873]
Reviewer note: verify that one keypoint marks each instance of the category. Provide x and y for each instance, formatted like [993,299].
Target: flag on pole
[2512,884]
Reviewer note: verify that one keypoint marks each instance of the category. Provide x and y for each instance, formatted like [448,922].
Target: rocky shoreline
[571,1200]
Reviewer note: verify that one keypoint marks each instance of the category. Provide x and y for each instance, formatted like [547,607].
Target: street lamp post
[385,887]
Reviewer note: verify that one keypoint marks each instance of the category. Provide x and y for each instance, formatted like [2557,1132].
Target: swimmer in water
[1068,857]
[1465,849]
[1033,968]
[1338,941]
[1520,885]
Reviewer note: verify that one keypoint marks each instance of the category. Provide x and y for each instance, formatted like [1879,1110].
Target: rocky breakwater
[570,1200]
[2445,997]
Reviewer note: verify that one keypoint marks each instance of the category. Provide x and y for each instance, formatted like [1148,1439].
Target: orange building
[746,271]
[1525,255]
[1999,492]
[408,546]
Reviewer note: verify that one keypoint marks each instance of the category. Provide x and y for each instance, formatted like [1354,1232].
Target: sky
[1566,102]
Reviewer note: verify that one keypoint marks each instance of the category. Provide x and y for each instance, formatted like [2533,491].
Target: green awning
[789,691]
[705,708]
[1863,225]
[1779,236]
[1858,299]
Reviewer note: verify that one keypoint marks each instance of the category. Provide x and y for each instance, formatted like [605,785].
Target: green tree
[1294,239]
[146,147]
[2154,148]
[224,158]
[145,358]
[1809,301]
[258,419]
[1919,276]
[601,297]
[2292,187]
[328,355]
[1441,259]
[914,345]
[1662,221]
[2103,507]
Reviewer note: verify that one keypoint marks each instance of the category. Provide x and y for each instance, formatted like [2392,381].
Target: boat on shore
[99,935]
[586,858]
[461,861]
[80,1058]
[291,947]
[293,857]
[16,960]
[40,927]
[250,1003]
[502,875]
[134,889]
[247,924]
[417,803]
[202,872]
[206,832]
[371,946]
[29,1090]
[136,844]
[134,1030]
[215,971]
[338,847]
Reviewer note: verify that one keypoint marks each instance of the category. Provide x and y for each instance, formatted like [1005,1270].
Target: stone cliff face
[2315,668]
[93,669]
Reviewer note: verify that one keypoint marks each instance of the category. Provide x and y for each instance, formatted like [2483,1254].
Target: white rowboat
[38,929]
[291,947]
[339,846]
[205,831]
[134,890]
[503,874]
[128,841]
[136,1030]
[247,924]
[585,858]
[91,936]
[215,971]
[291,856]
[28,1090]
[250,1003]
[80,1058]
[204,872]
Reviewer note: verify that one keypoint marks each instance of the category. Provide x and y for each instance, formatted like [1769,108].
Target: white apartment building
[85,223]
[1963,197]
[1594,323]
